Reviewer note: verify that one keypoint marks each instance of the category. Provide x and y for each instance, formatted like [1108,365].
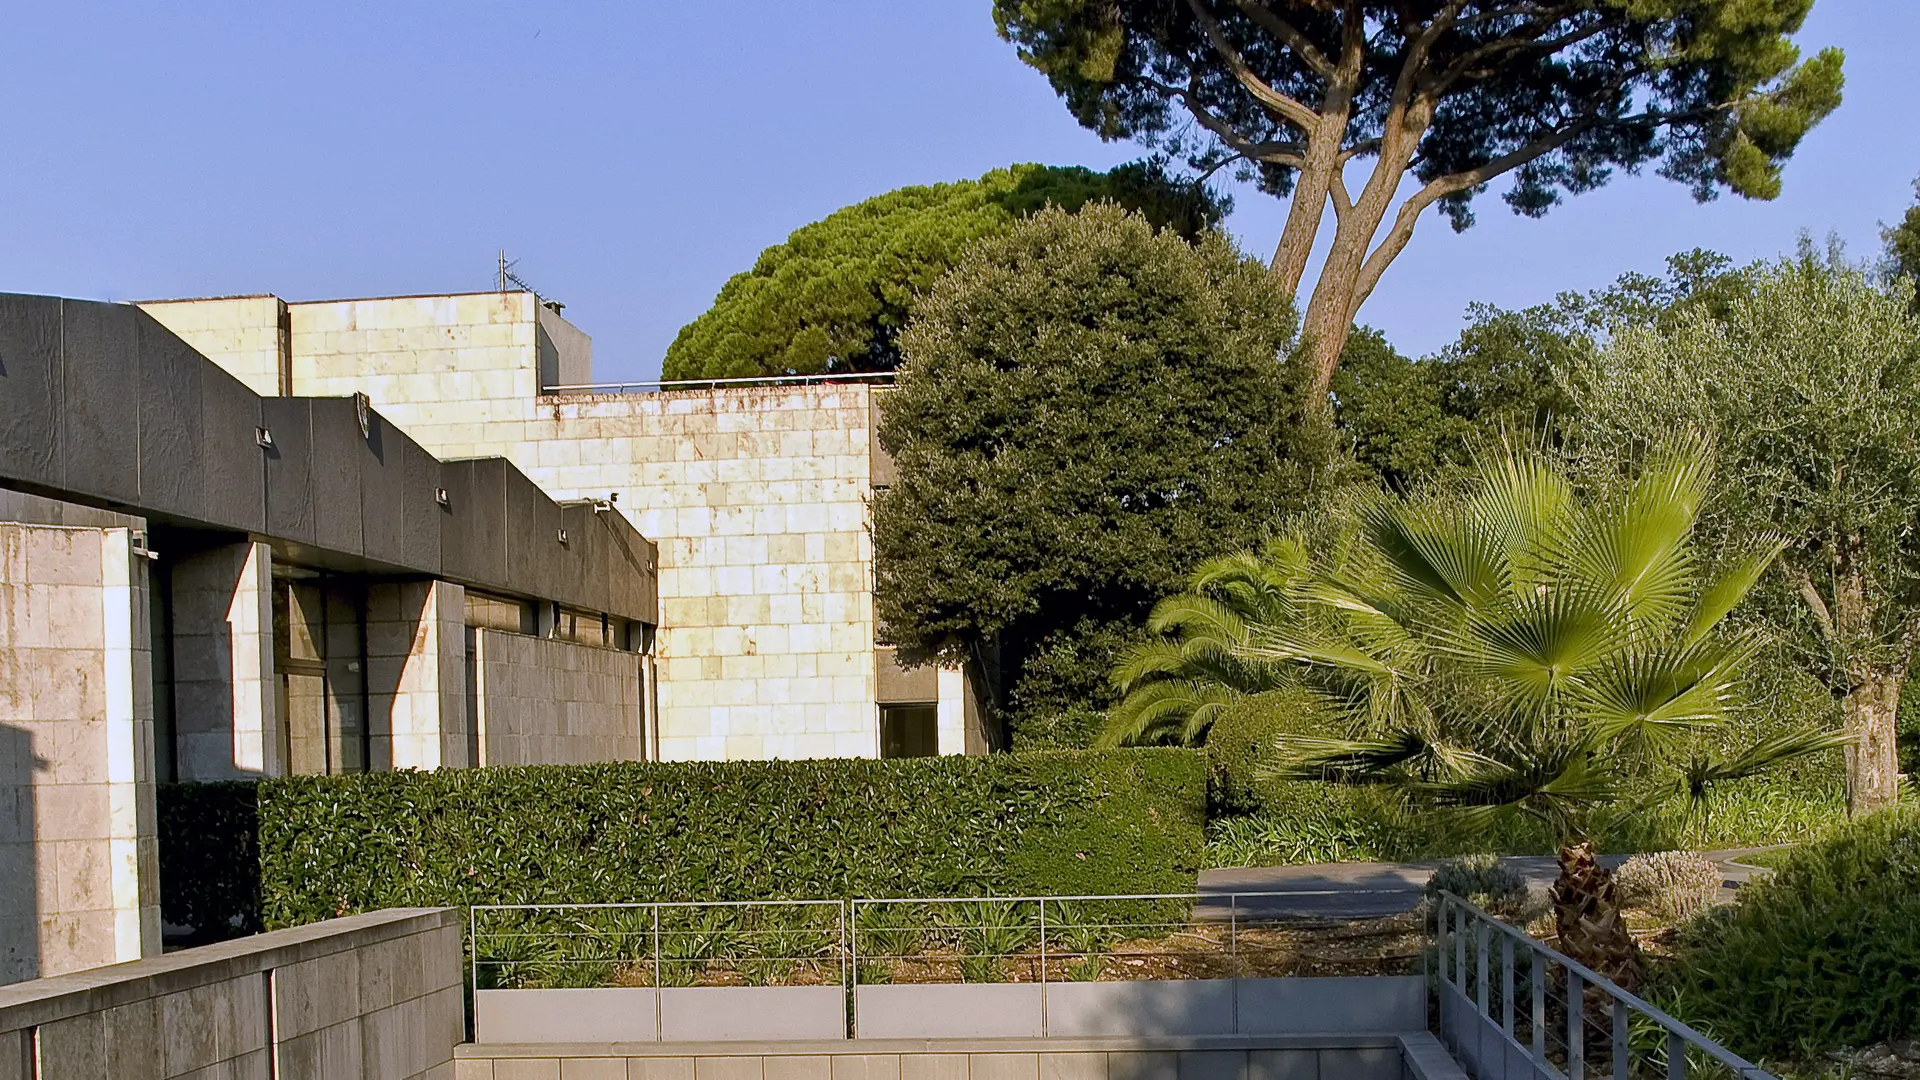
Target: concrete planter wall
[1195,1008]
[673,1014]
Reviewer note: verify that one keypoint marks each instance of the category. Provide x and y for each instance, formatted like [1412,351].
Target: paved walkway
[1358,890]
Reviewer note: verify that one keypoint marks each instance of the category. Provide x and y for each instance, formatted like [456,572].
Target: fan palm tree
[1516,647]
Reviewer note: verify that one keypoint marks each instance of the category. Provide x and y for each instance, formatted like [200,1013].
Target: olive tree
[1808,381]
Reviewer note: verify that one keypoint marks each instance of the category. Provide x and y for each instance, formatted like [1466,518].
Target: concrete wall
[546,702]
[78,856]
[226,714]
[248,333]
[566,352]
[459,362]
[372,997]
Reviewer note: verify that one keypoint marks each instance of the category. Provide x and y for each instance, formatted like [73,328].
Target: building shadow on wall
[19,870]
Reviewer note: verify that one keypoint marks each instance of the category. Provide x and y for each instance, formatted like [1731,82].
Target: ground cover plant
[1823,955]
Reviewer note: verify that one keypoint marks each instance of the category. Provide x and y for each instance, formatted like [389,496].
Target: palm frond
[1702,773]
[1726,591]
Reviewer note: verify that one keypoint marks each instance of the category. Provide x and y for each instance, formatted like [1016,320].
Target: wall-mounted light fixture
[440,496]
[263,438]
[563,536]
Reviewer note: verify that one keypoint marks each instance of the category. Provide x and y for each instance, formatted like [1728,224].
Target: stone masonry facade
[756,495]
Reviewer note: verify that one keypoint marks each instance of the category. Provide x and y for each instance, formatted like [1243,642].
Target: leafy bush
[1068,823]
[1482,880]
[1671,884]
[1824,954]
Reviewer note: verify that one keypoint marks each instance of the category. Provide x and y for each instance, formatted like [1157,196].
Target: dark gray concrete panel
[30,389]
[99,439]
[420,476]
[383,491]
[605,1015]
[290,492]
[233,483]
[752,1013]
[169,405]
[335,474]
[532,527]
[473,538]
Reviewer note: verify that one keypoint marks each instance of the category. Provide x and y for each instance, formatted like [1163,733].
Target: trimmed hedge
[1050,823]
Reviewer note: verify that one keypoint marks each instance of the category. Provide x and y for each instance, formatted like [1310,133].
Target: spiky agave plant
[1521,646]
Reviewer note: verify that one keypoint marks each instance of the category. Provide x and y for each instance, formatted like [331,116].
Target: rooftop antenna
[508,278]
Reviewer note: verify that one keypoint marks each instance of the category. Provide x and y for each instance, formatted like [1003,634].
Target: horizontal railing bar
[1591,977]
[826,377]
[1128,896]
[661,904]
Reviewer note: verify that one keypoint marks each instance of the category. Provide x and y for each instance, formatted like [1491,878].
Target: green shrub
[1824,954]
[209,840]
[1240,750]
[1484,881]
[1017,824]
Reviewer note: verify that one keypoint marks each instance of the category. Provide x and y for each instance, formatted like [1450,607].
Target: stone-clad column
[417,675]
[225,692]
[78,857]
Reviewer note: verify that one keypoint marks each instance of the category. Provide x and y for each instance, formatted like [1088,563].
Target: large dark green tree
[834,296]
[1338,103]
[1407,421]
[1088,408]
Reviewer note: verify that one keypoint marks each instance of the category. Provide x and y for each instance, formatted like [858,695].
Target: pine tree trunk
[1587,915]
[1870,715]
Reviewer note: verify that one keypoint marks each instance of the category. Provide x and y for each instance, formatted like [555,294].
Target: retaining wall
[372,996]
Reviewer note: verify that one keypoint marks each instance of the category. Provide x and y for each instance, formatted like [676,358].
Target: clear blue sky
[633,155]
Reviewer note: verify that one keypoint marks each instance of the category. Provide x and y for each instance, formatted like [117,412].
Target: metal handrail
[1450,944]
[756,380]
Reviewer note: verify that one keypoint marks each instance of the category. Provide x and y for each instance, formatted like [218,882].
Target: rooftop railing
[650,386]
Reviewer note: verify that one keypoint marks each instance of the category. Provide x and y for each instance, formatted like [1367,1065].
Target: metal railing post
[1676,1056]
[1622,1050]
[1460,950]
[1043,967]
[1482,987]
[1576,1027]
[1506,985]
[1537,979]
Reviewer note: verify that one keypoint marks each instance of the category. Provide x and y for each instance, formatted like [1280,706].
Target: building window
[909,730]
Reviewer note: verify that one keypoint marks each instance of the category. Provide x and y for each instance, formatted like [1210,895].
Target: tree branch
[1342,201]
[1278,153]
[1465,64]
[1803,582]
[1290,109]
[1439,188]
[1288,35]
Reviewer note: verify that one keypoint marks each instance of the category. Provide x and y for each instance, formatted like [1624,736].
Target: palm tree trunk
[1587,915]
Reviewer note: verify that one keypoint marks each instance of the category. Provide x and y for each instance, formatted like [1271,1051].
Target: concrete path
[1359,890]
